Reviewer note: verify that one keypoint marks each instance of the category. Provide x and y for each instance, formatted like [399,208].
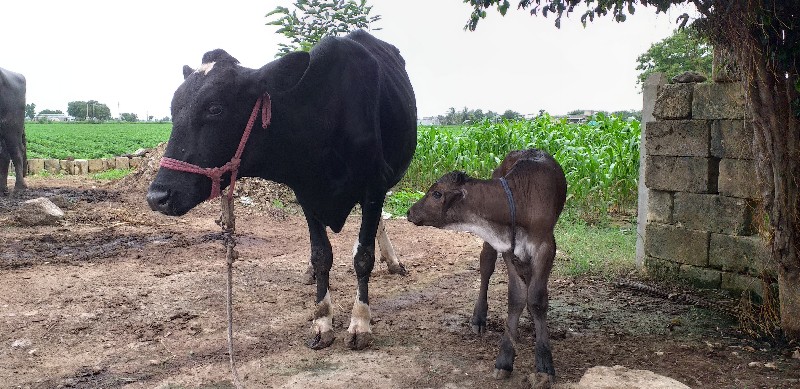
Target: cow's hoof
[321,340]
[540,380]
[500,374]
[359,340]
[398,269]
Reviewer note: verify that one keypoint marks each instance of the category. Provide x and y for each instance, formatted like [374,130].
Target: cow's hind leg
[387,251]
[360,330]
[488,259]
[19,168]
[517,296]
[4,161]
[322,260]
[543,257]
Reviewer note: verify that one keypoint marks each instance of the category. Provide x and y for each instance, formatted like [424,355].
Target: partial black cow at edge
[343,131]
[515,213]
[12,129]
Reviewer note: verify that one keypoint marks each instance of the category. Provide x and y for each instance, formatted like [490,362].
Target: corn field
[600,157]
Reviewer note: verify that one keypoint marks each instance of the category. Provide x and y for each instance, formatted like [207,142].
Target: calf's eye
[436,194]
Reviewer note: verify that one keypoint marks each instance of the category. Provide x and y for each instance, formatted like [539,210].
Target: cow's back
[12,101]
[398,108]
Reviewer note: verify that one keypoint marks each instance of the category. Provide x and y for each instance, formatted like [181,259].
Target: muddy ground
[118,296]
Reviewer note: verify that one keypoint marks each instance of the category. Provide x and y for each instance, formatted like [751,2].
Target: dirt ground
[118,296]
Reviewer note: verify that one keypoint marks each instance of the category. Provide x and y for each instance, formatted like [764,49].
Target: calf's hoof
[540,380]
[501,374]
[321,340]
[359,340]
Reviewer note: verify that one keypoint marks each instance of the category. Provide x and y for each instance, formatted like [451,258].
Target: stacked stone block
[82,166]
[702,189]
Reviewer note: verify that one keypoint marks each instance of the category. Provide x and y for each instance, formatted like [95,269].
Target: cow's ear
[283,73]
[187,70]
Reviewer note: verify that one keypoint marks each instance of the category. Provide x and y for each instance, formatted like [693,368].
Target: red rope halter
[263,104]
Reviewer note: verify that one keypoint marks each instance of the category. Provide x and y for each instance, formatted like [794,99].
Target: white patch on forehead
[205,68]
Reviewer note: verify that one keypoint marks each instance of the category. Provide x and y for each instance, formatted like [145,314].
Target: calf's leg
[543,257]
[488,259]
[517,296]
[322,260]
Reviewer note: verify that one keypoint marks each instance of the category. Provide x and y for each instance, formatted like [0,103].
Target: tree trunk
[771,91]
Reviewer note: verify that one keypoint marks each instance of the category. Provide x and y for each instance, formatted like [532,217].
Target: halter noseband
[264,105]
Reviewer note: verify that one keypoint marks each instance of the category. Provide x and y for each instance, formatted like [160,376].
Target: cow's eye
[215,109]
[436,194]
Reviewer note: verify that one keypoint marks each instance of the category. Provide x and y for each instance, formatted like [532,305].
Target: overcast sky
[129,54]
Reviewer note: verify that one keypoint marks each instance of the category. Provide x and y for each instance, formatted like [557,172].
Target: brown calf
[514,212]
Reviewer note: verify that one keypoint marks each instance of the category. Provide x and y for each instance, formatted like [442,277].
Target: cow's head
[442,204]
[210,110]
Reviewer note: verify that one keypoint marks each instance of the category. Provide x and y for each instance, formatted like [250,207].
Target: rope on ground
[682,298]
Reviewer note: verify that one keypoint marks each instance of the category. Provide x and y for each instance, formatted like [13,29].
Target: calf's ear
[187,71]
[283,73]
[453,197]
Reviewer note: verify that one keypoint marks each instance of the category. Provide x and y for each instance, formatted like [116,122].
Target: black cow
[12,129]
[343,131]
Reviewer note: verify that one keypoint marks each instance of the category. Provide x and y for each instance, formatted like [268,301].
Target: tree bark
[770,93]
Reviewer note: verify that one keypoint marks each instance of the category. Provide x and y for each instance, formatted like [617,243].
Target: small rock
[21,343]
[796,354]
[622,377]
[771,365]
[688,77]
[755,364]
[38,212]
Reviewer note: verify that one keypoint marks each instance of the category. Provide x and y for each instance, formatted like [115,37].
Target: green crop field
[89,140]
[600,158]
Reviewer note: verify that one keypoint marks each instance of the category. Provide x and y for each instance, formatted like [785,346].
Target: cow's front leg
[322,259]
[360,330]
[488,259]
[517,296]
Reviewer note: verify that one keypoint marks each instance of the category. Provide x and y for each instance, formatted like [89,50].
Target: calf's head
[210,110]
[443,204]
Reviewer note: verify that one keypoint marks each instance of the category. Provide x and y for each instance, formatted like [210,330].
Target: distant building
[54,117]
[428,121]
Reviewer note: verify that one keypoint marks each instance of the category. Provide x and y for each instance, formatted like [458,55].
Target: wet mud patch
[64,197]
[63,246]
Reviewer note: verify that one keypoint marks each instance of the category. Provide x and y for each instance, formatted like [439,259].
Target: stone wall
[82,166]
[701,206]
